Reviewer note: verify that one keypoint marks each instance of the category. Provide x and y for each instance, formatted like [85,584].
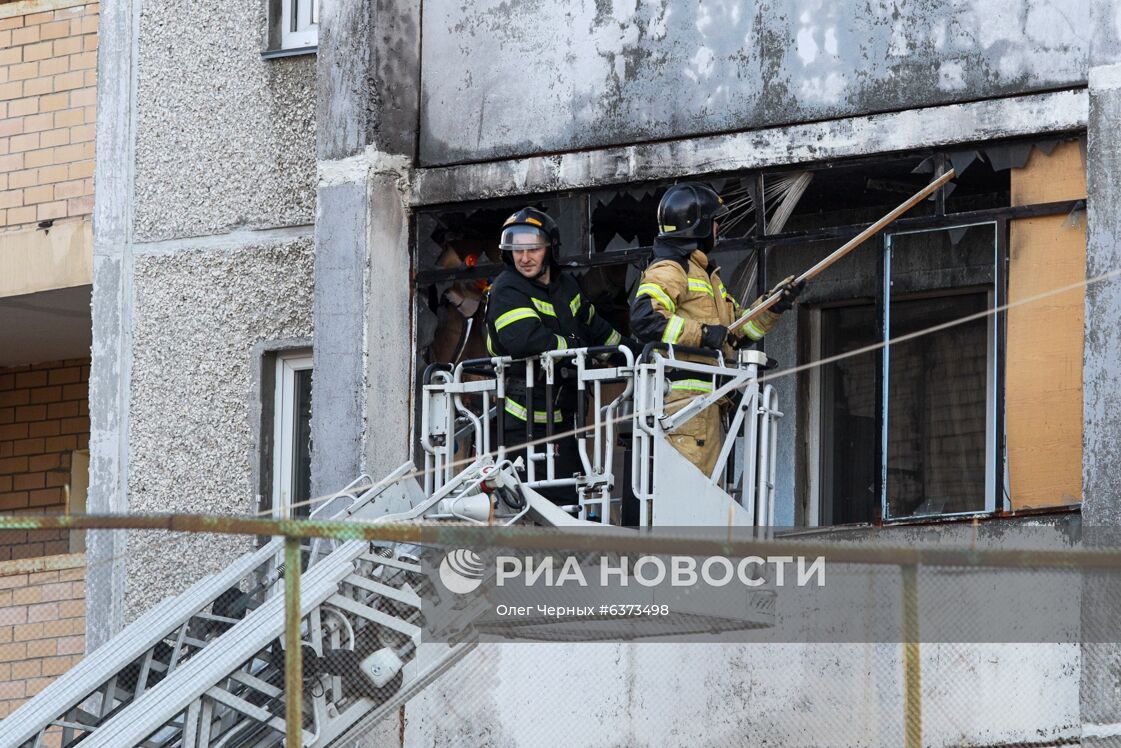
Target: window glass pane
[296,25]
[937,409]
[301,459]
[848,418]
[938,260]
[938,386]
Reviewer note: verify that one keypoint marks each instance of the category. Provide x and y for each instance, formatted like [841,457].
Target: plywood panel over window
[1043,395]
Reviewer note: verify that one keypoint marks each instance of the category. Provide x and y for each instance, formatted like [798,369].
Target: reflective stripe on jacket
[675,297]
[526,317]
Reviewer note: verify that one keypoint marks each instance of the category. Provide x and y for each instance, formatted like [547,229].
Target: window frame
[287,365]
[817,513]
[993,365]
[293,28]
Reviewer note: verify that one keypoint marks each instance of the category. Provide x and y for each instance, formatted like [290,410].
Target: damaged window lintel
[639,254]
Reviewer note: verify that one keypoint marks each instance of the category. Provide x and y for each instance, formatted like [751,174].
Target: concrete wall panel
[224,139]
[198,314]
[1101,403]
[605,695]
[503,79]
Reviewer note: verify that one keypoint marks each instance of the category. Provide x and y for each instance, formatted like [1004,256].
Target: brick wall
[42,624]
[48,76]
[44,417]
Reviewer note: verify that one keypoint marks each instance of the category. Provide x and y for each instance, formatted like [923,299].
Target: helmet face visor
[523,237]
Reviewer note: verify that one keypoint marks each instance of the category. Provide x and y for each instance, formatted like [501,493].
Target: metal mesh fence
[919,636]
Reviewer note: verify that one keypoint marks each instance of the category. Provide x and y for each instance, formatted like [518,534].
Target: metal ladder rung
[212,617]
[374,615]
[396,564]
[73,725]
[257,684]
[404,596]
[241,705]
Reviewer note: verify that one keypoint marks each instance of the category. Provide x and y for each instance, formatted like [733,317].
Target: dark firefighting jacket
[525,317]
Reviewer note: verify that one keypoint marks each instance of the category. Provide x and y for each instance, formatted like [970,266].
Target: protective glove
[741,341]
[789,291]
[713,336]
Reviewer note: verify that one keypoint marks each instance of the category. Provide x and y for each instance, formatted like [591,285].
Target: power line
[774,375]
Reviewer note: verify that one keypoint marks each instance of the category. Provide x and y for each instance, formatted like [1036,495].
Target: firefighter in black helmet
[681,300]
[533,307]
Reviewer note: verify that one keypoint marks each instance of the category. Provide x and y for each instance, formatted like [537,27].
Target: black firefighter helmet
[527,228]
[687,211]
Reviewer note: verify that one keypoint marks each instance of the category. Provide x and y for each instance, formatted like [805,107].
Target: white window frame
[297,27]
[284,428]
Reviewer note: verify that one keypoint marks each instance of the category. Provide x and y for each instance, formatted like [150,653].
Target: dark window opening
[937,406]
[624,219]
[848,416]
[913,435]
[859,193]
[301,459]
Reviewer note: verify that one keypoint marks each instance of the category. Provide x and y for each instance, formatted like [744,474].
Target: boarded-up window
[1043,390]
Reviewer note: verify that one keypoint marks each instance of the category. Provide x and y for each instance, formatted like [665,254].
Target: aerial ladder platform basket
[206,668]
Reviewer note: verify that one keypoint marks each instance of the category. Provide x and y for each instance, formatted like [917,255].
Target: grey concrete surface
[110,311]
[1105,39]
[731,695]
[338,378]
[369,83]
[343,66]
[197,317]
[389,326]
[363,348]
[807,142]
[369,78]
[501,81]
[1101,385]
[224,139]
[1102,367]
[105,549]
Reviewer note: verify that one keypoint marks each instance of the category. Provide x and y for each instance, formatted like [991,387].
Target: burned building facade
[283,240]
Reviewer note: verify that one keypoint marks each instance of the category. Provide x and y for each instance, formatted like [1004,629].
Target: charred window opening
[850,461]
[623,219]
[458,257]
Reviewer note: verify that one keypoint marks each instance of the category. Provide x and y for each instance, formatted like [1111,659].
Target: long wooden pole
[849,246]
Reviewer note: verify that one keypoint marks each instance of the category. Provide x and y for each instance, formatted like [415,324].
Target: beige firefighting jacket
[675,298]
